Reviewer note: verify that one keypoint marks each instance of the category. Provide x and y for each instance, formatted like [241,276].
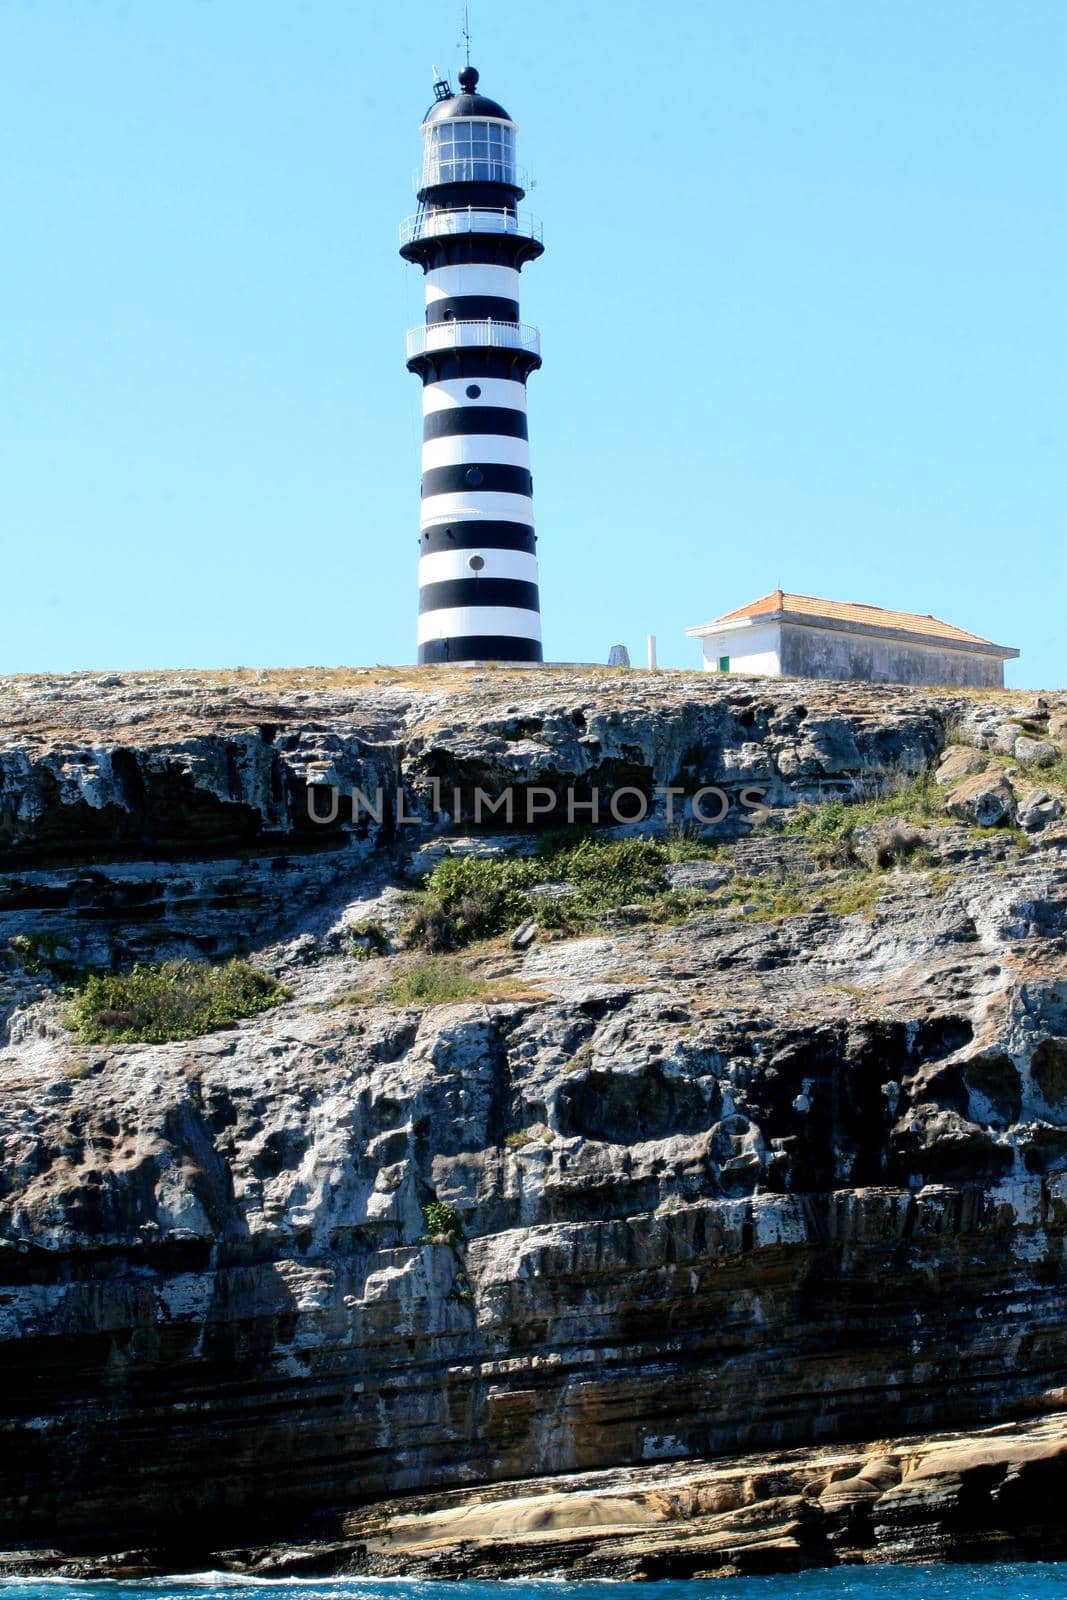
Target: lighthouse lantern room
[478,597]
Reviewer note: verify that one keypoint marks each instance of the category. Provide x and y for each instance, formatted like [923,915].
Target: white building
[797,636]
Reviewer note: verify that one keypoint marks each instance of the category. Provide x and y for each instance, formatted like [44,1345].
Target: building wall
[755,649]
[836,653]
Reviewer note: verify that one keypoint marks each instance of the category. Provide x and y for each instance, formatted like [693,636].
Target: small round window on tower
[473,391]
[474,475]
[476,563]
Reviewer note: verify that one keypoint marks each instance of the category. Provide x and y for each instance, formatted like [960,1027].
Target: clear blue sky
[802,307]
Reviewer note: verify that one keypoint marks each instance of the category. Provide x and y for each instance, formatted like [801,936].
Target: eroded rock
[1035,752]
[716,1183]
[985,799]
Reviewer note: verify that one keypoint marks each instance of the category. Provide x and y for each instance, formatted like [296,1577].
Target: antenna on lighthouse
[467,30]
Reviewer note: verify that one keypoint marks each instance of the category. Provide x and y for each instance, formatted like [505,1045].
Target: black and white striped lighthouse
[478,597]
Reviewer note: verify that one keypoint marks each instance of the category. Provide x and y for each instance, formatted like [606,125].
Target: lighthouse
[478,596]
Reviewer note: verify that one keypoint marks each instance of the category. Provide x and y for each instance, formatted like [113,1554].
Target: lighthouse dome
[468,103]
[468,139]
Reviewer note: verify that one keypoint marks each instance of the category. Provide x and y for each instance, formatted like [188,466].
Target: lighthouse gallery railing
[436,224]
[462,335]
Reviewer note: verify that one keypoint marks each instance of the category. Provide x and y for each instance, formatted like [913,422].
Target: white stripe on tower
[445,566]
[470,505]
[461,449]
[451,393]
[446,283]
[459,622]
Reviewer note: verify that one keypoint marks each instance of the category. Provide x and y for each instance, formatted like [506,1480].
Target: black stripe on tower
[472,308]
[479,534]
[479,592]
[479,647]
[475,419]
[463,192]
[474,361]
[489,475]
[472,249]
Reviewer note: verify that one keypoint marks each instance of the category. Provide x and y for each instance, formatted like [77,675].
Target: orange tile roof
[807,605]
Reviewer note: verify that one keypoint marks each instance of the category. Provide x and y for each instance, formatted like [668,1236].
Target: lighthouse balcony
[483,334]
[470,219]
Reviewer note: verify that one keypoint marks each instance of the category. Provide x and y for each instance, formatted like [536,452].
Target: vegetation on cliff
[174,1000]
[585,877]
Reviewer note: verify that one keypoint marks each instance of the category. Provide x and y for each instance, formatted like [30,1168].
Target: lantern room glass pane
[469,151]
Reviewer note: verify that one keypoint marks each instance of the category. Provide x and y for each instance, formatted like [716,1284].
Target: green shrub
[472,897]
[177,1000]
[916,800]
[36,953]
[831,827]
[440,1218]
[900,846]
[466,898]
[369,939]
[432,927]
[609,873]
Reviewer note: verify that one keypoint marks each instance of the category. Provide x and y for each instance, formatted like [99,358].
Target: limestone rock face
[955,1497]
[164,763]
[960,762]
[986,799]
[1035,752]
[731,1183]
[1038,808]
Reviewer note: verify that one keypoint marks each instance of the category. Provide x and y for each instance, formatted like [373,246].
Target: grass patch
[858,894]
[434,982]
[1051,777]
[356,997]
[853,990]
[1005,830]
[769,897]
[441,980]
[177,1000]
[1054,777]
[774,898]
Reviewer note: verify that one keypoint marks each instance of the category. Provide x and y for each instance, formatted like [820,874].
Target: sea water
[1036,1581]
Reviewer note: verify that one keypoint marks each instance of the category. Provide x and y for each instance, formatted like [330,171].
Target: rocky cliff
[781,1162]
